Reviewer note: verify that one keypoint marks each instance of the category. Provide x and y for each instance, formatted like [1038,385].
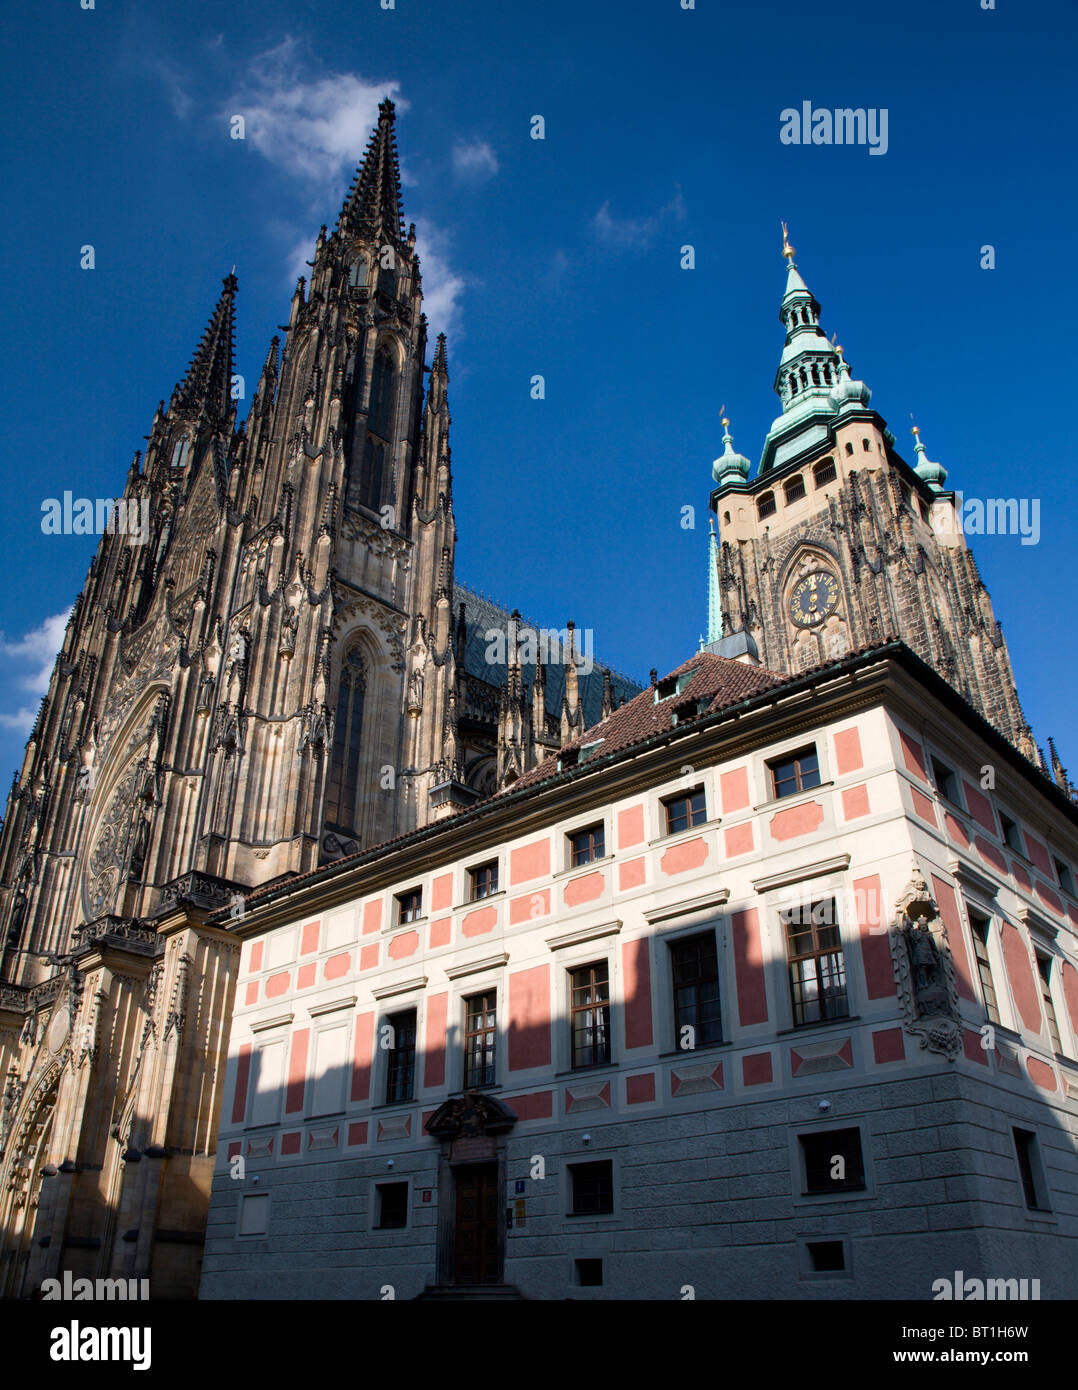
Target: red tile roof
[714,683]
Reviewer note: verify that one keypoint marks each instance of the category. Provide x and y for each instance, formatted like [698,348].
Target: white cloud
[442,286]
[315,127]
[27,663]
[636,233]
[474,161]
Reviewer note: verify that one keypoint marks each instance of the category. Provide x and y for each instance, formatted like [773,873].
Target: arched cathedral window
[379,426]
[342,791]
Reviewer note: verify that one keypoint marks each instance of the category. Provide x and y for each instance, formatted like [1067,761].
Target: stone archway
[20,1176]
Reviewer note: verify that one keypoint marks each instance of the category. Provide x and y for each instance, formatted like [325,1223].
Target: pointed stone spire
[808,367]
[608,696]
[206,390]
[714,607]
[373,203]
[440,364]
[1059,772]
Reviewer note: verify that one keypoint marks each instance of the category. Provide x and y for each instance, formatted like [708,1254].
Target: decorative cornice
[582,934]
[263,1025]
[687,905]
[835,865]
[401,987]
[969,877]
[473,967]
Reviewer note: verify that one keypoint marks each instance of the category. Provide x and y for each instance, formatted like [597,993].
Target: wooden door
[476,1240]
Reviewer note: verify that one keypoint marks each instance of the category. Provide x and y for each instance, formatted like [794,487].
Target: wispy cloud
[442,286]
[637,233]
[26,663]
[474,161]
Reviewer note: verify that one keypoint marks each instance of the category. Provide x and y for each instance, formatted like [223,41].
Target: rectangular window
[1030,1170]
[824,472]
[1011,834]
[254,1215]
[1066,878]
[695,968]
[833,1161]
[589,1273]
[392,1206]
[587,845]
[979,926]
[589,1015]
[766,506]
[410,905]
[795,773]
[826,1256]
[480,1035]
[685,810]
[400,1072]
[946,781]
[1044,970]
[592,1188]
[484,880]
[816,967]
[794,489]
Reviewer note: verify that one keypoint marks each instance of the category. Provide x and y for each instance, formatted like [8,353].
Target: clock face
[814,598]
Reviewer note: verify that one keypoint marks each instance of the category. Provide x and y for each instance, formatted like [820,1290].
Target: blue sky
[558,257]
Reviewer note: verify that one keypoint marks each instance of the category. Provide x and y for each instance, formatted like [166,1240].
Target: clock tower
[837,542]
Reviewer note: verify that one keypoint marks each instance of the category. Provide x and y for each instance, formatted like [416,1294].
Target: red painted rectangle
[529,907]
[362,1052]
[537,1106]
[640,1089]
[441,893]
[855,802]
[734,790]
[848,751]
[529,1018]
[944,894]
[756,1069]
[980,808]
[437,1014]
[749,967]
[372,917]
[923,807]
[913,755]
[1039,854]
[256,957]
[357,1133]
[297,1070]
[630,827]
[243,1077]
[739,839]
[636,961]
[290,1143]
[529,861]
[875,946]
[309,939]
[888,1045]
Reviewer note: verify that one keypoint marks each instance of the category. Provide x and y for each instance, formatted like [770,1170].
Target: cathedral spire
[373,204]
[714,608]
[206,390]
[808,367]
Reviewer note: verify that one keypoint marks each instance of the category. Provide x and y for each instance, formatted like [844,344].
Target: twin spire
[373,204]
[206,390]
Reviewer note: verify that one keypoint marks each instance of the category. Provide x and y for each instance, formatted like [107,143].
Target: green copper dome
[847,392]
[730,467]
[934,474]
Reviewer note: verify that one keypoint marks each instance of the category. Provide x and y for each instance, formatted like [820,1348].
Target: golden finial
[787,249]
[915,430]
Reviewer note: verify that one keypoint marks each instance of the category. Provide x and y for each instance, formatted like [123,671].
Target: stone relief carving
[924,970]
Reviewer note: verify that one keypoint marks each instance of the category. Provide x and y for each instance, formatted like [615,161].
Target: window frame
[789,487]
[831,1191]
[766,505]
[471,875]
[785,917]
[391,1065]
[950,779]
[1044,985]
[488,1031]
[1032,1178]
[675,944]
[794,756]
[823,466]
[1010,832]
[599,1005]
[571,1194]
[979,920]
[377,1223]
[400,898]
[587,829]
[689,797]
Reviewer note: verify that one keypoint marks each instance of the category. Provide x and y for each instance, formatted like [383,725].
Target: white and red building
[765,987]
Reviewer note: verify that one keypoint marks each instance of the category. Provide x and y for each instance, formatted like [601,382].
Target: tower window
[343,788]
[380,420]
[794,489]
[766,505]
[866,446]
[357,273]
[824,472]
[793,384]
[849,447]
[815,375]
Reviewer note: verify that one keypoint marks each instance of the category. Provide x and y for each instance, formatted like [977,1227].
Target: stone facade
[281,672]
[922,1069]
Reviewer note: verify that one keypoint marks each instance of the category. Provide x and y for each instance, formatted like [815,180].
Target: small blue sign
[520,1184]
